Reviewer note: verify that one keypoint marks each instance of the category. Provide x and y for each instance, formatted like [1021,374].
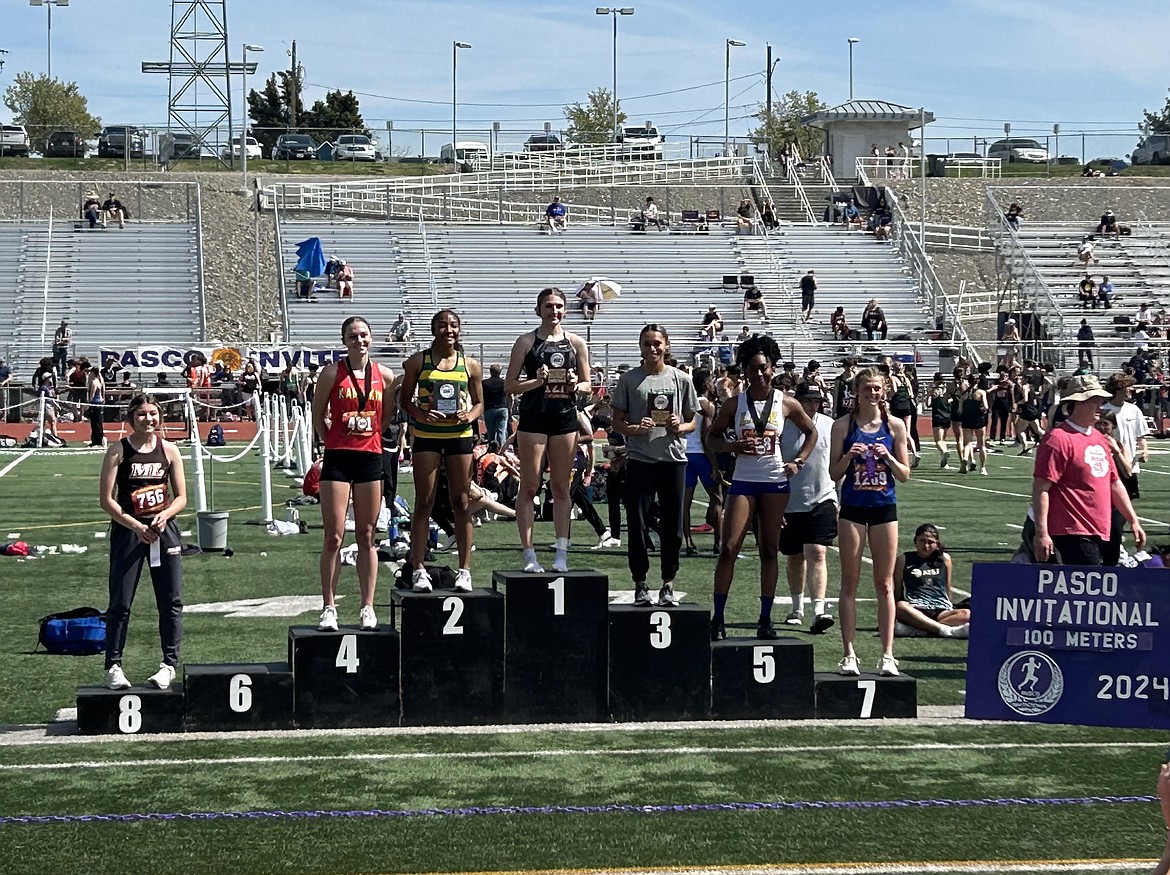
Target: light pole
[615,11]
[455,47]
[727,44]
[50,4]
[852,42]
[248,47]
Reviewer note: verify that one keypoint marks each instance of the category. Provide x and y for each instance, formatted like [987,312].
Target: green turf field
[534,799]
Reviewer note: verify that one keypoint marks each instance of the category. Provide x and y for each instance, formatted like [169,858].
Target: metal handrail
[422,230]
[827,173]
[48,270]
[798,190]
[281,288]
[199,261]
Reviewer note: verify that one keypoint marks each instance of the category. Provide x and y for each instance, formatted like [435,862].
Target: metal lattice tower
[199,96]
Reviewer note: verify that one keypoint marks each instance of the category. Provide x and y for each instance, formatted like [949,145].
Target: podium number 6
[347,657]
[454,606]
[660,633]
[763,665]
[240,694]
[869,688]
[558,590]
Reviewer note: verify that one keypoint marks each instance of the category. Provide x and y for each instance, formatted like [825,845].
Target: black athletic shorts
[460,446]
[870,516]
[940,422]
[975,424]
[816,526]
[550,423]
[351,466]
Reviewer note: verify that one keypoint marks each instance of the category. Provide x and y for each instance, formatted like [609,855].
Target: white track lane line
[15,462]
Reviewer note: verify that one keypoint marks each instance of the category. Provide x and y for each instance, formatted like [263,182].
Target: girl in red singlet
[350,408]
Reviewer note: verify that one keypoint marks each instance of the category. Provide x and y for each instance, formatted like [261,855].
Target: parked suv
[1154,149]
[543,143]
[1018,149]
[113,140]
[294,147]
[13,140]
[65,144]
[354,147]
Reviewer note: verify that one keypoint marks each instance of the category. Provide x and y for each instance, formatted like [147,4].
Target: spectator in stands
[650,216]
[556,216]
[344,281]
[744,335]
[873,320]
[332,266]
[91,210]
[590,297]
[1108,224]
[400,331]
[1075,483]
[1085,253]
[1013,214]
[1105,294]
[5,374]
[62,341]
[881,224]
[1085,344]
[495,407]
[753,300]
[1144,314]
[744,217]
[840,325]
[113,208]
[808,295]
[851,216]
[904,150]
[712,325]
[1141,338]
[768,216]
[1087,292]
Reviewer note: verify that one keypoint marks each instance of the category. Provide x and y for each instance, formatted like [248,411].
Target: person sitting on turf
[922,590]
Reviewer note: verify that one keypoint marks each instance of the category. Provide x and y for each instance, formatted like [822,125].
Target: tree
[593,123]
[44,105]
[782,127]
[1158,122]
[272,108]
[335,115]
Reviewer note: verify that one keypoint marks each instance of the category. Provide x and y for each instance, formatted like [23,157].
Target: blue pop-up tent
[310,257]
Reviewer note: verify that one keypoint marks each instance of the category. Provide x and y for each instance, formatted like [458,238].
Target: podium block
[754,679]
[840,697]
[344,678]
[451,661]
[556,658]
[129,712]
[238,696]
[659,663]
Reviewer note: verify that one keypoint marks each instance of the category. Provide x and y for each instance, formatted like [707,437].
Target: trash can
[947,359]
[936,165]
[212,528]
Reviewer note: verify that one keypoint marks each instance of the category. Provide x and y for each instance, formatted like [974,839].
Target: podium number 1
[558,589]
[347,657]
[454,606]
[660,631]
[869,688]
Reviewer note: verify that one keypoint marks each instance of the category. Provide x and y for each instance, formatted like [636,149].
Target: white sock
[818,606]
[945,632]
[529,555]
[562,545]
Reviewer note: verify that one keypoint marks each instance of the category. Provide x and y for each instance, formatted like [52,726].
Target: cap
[809,392]
[1082,387]
[1010,322]
[710,306]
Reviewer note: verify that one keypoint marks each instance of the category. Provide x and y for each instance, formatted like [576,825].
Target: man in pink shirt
[1075,483]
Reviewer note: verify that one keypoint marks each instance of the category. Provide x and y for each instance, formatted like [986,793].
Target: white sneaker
[607,540]
[328,621]
[115,679]
[531,566]
[848,666]
[163,677]
[420,580]
[963,631]
[983,471]
[888,666]
[367,619]
[463,580]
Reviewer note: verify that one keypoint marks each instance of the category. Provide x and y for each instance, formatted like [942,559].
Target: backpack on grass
[215,436]
[79,632]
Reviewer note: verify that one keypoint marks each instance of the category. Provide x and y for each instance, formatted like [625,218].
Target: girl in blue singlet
[868,454]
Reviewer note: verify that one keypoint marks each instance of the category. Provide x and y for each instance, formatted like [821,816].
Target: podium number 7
[558,590]
[869,689]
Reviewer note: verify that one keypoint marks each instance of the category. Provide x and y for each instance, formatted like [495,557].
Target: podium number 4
[869,688]
[347,657]
[129,714]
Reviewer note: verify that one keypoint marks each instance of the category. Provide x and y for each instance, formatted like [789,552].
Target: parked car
[467,153]
[174,145]
[14,140]
[293,147]
[354,147]
[1154,149]
[642,142]
[251,148]
[965,156]
[543,143]
[113,140]
[65,144]
[1018,149]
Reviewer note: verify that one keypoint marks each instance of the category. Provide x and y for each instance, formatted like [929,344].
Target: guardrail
[281,283]
[147,199]
[199,261]
[882,168]
[431,286]
[959,237]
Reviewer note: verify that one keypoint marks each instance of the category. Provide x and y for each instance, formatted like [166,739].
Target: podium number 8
[454,606]
[660,633]
[129,714]
[240,694]
[763,665]
[347,657]
[558,590]
[869,688]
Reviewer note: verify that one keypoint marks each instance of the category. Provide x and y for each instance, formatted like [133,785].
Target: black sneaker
[642,596]
[692,550]
[765,631]
[718,630]
[821,624]
[666,596]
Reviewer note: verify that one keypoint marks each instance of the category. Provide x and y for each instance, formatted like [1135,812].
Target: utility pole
[294,89]
[768,95]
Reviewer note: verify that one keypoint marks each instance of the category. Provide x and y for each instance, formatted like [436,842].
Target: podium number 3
[129,714]
[660,630]
[454,606]
[869,688]
[240,694]
[347,657]
[558,590]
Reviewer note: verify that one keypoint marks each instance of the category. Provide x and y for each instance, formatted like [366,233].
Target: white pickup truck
[640,143]
[13,140]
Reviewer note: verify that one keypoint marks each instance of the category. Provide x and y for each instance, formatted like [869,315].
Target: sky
[1090,67]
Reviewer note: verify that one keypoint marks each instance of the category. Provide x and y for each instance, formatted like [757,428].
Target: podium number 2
[660,630]
[129,714]
[558,590]
[454,606]
[869,688]
[240,694]
[347,657]
[763,665]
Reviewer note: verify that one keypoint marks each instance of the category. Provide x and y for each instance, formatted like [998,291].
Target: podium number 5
[347,657]
[870,690]
[454,606]
[129,714]
[240,694]
[763,665]
[660,631]
[558,590]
